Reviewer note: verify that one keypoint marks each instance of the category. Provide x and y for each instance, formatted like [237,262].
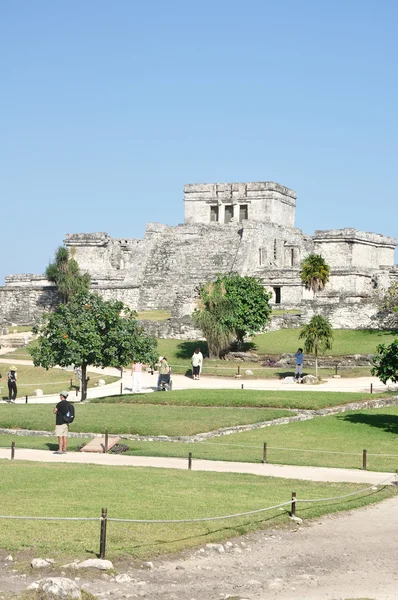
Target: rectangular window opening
[243,213]
[213,214]
[229,213]
[277,292]
[292,257]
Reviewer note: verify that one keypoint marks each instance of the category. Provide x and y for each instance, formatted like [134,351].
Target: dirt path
[352,555]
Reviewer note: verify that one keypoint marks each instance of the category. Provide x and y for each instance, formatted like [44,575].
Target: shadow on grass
[389,423]
[186,349]
[233,529]
[241,529]
[52,446]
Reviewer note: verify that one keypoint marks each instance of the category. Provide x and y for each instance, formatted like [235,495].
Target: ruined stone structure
[243,227]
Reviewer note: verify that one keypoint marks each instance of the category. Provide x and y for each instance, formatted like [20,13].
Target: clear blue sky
[108,107]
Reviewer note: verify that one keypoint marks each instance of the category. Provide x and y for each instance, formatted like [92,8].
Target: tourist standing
[197,361]
[299,356]
[61,426]
[12,383]
[136,371]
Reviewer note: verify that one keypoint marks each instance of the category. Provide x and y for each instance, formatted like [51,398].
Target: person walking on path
[12,383]
[61,426]
[136,371]
[197,361]
[299,356]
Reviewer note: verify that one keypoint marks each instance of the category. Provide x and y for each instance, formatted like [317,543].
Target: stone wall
[23,303]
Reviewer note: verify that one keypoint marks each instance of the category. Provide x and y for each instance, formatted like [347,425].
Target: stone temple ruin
[243,227]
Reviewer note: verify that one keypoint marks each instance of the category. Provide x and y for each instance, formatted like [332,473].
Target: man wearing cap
[12,383]
[61,428]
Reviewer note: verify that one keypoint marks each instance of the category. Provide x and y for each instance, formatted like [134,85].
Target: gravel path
[347,556]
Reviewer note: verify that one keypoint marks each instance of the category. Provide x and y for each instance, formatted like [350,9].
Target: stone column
[236,212]
[221,212]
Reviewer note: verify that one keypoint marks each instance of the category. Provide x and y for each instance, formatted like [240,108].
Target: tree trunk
[84,382]
[316,358]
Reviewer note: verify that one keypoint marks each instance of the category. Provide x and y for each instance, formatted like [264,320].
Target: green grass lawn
[290,399]
[36,489]
[346,342]
[141,419]
[52,381]
[335,441]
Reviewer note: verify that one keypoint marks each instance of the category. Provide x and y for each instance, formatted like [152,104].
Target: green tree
[65,273]
[231,307]
[213,309]
[318,337]
[91,331]
[314,272]
[386,362]
[251,310]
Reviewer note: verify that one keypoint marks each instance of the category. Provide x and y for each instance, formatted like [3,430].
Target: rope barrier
[203,519]
[244,514]
[52,518]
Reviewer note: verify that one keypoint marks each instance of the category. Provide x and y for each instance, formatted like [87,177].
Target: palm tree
[64,272]
[314,272]
[211,316]
[318,337]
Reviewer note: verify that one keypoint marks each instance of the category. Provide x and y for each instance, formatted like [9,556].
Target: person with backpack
[65,414]
[12,383]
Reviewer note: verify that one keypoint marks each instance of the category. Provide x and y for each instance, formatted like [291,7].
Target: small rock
[253,582]
[38,393]
[289,380]
[229,544]
[147,565]
[58,587]
[249,372]
[123,578]
[296,519]
[40,563]
[101,382]
[219,547]
[95,563]
[9,558]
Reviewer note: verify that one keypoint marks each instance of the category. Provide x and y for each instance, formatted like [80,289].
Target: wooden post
[265,453]
[106,441]
[190,461]
[364,460]
[238,369]
[241,387]
[12,450]
[104,516]
[336,369]
[293,511]
[121,388]
[371,388]
[71,383]
[26,399]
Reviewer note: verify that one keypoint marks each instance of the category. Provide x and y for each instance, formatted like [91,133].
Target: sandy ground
[347,556]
